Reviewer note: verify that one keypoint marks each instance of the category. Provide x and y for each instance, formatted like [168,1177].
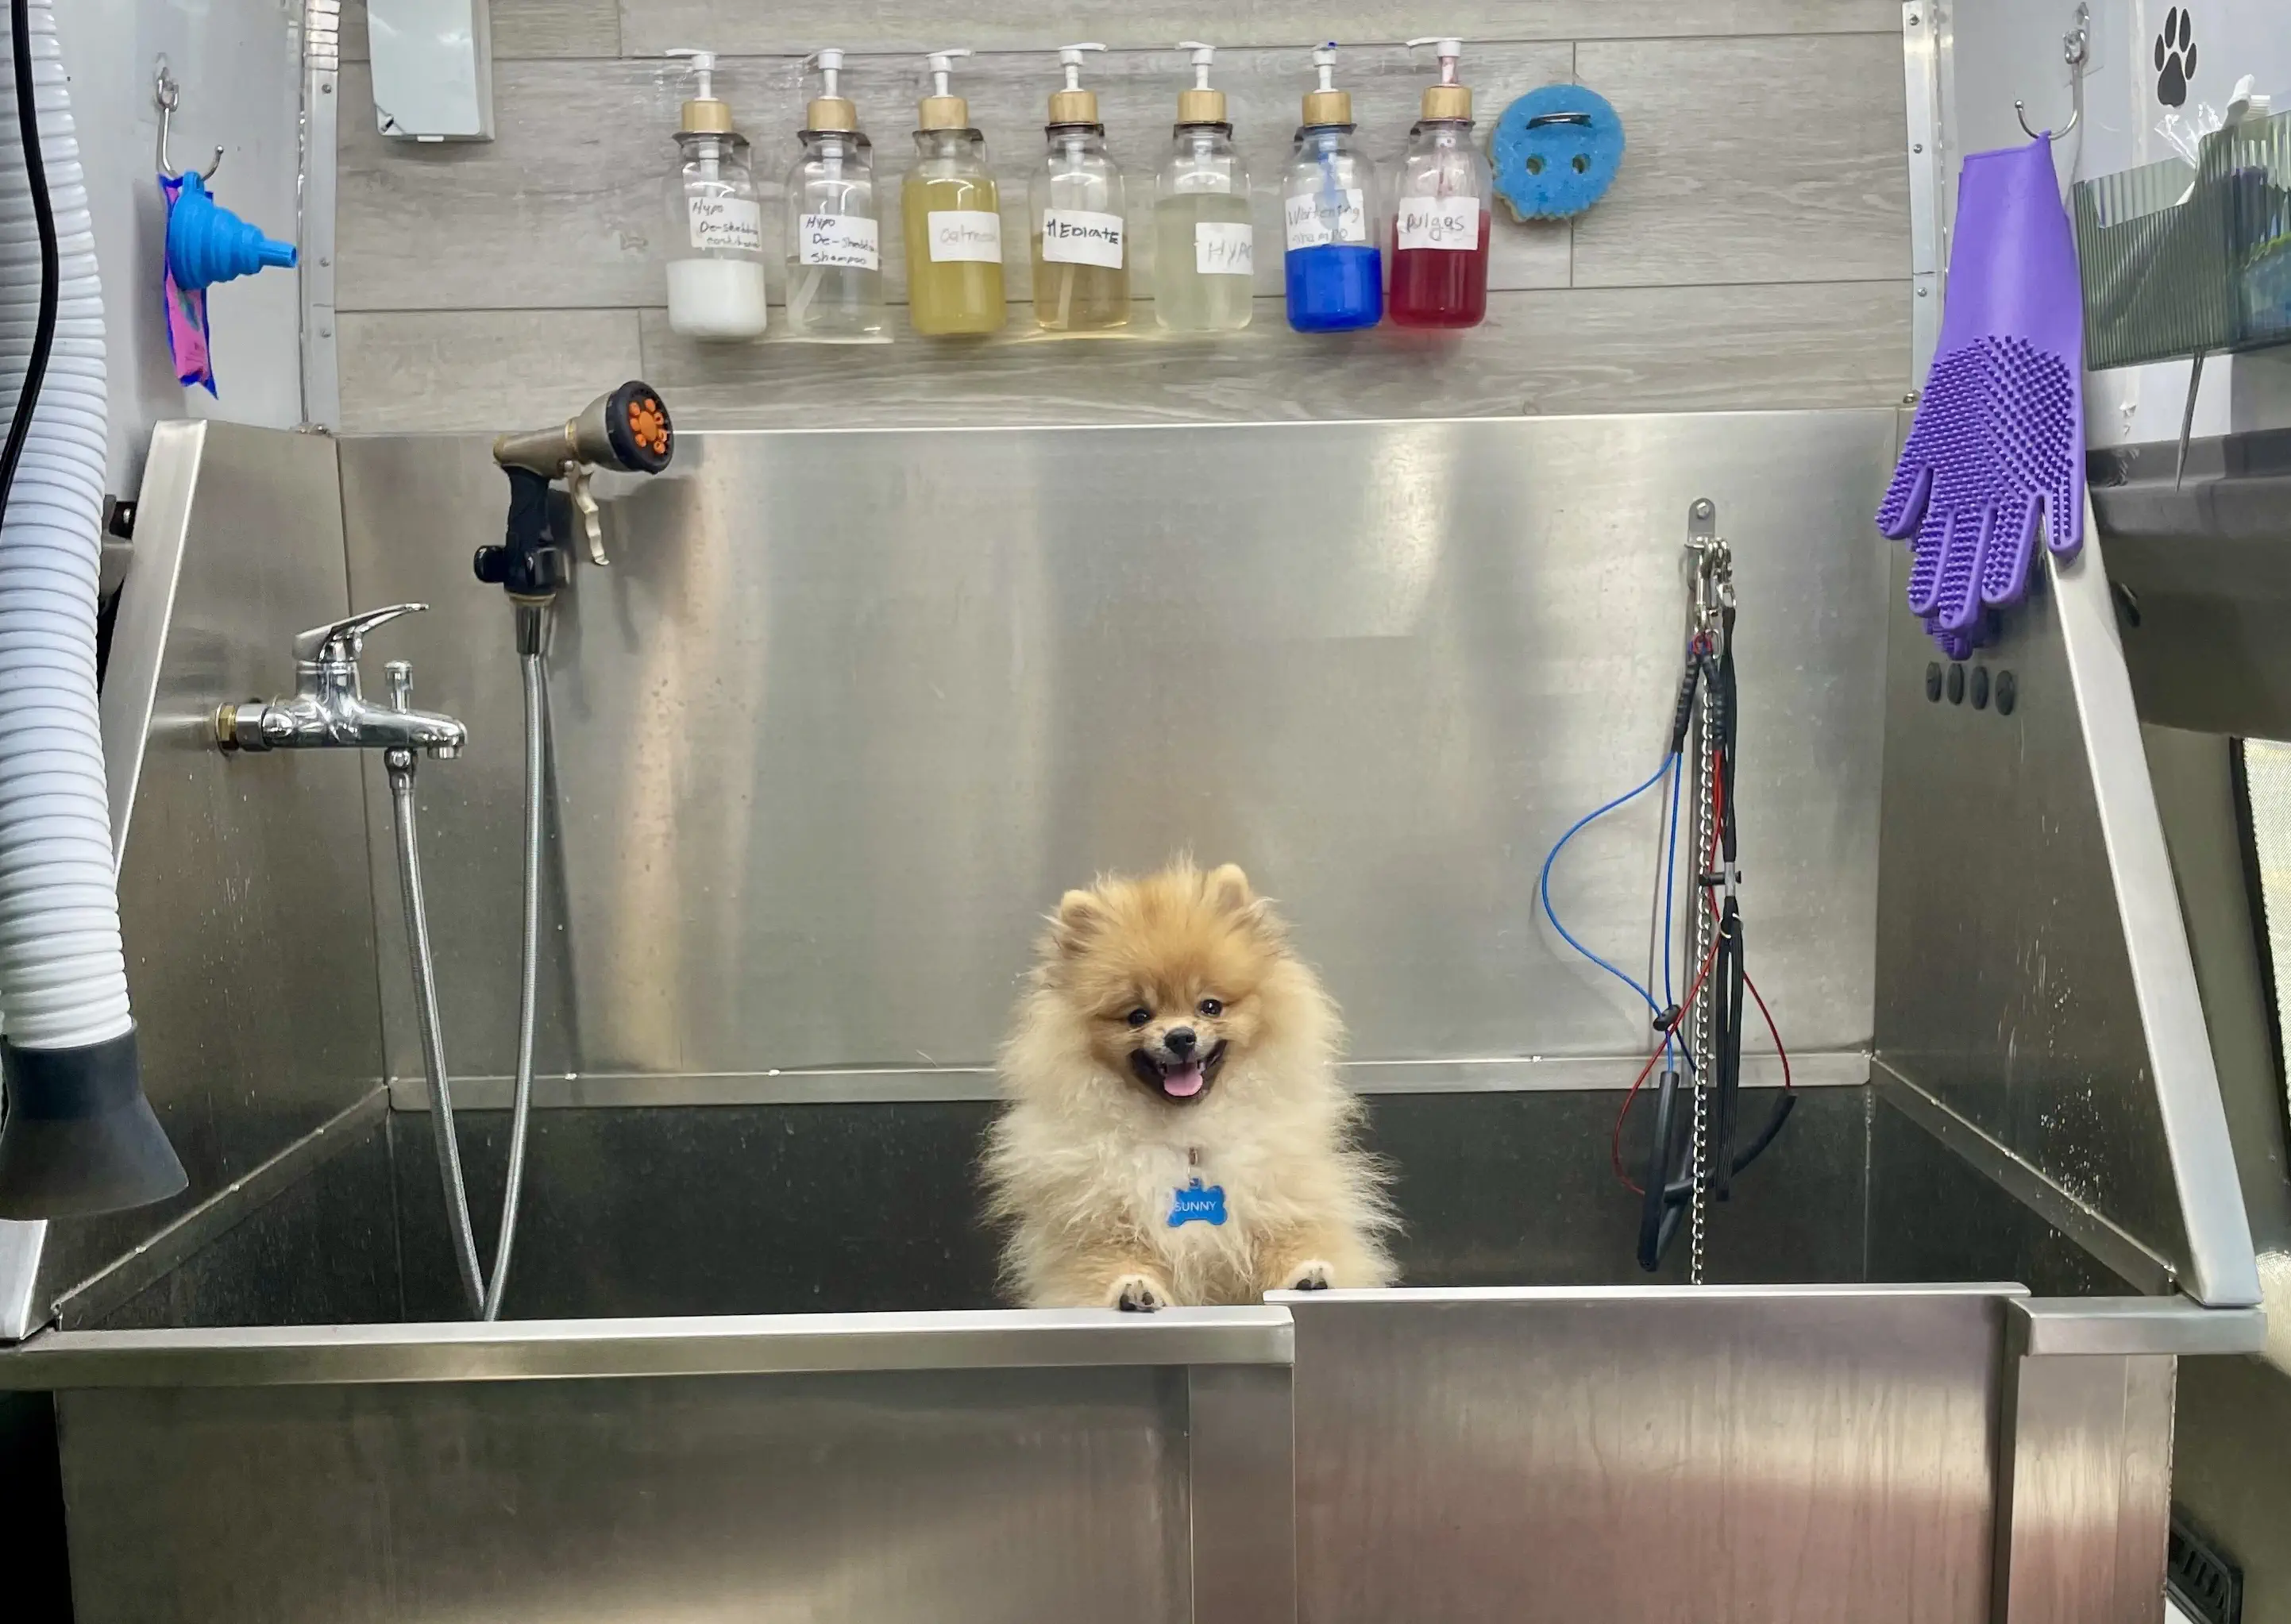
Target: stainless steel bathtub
[845,714]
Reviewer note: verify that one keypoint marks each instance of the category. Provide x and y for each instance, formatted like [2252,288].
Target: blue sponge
[1556,151]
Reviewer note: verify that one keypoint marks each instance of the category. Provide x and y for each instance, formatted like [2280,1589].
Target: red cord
[1615,1146]
[1718,810]
[1710,900]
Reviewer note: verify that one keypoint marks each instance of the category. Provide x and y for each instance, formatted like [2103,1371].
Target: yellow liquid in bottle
[950,296]
[1070,298]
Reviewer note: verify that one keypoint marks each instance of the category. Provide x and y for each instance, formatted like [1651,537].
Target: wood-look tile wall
[1754,251]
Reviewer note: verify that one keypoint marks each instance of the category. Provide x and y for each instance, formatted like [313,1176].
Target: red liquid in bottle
[1440,287]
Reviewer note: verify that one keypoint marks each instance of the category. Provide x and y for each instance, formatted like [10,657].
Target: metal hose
[400,765]
[536,737]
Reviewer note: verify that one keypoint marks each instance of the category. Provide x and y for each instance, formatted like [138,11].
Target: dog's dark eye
[1211,1006]
[1140,1015]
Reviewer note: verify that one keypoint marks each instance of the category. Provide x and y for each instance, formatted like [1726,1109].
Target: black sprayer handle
[529,562]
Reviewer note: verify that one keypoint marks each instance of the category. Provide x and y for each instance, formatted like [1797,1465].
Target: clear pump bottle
[1082,265]
[1333,272]
[715,222]
[834,240]
[1204,246]
[1441,222]
[952,215]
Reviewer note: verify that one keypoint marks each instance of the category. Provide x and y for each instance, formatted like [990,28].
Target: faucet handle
[340,643]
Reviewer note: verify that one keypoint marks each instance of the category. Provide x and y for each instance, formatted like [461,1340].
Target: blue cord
[1645,997]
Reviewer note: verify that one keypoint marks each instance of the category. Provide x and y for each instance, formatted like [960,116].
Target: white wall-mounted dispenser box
[433,68]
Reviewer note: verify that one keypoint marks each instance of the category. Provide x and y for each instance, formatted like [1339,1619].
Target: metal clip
[169,95]
[1713,563]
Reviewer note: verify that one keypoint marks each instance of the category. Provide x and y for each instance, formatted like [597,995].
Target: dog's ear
[1228,889]
[1081,916]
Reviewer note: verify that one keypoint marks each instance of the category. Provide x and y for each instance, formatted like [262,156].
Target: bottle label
[966,234]
[726,223]
[849,240]
[1224,249]
[1317,219]
[1452,223]
[1081,236]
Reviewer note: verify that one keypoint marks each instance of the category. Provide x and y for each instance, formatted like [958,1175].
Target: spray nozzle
[1203,56]
[1070,56]
[1448,50]
[702,66]
[829,64]
[1324,58]
[941,69]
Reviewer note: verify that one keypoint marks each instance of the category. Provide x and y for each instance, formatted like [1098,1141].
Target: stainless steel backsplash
[850,709]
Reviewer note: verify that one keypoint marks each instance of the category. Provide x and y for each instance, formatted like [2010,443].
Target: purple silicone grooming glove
[1996,452]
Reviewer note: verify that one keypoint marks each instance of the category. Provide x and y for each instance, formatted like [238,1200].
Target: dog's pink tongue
[1182,1085]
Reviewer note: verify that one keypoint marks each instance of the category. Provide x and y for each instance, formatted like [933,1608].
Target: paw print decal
[2176,57]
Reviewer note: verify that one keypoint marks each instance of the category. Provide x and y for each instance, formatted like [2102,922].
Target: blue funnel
[207,243]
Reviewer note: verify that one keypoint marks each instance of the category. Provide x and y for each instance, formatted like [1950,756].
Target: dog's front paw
[1137,1294]
[1310,1276]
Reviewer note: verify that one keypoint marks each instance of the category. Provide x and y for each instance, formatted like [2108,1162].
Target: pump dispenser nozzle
[1201,104]
[829,110]
[1073,104]
[942,110]
[703,115]
[1448,99]
[1328,105]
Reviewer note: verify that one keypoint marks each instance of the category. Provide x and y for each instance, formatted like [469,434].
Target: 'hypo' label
[851,241]
[726,223]
[1224,249]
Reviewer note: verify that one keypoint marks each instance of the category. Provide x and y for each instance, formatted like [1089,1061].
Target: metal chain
[1711,574]
[1701,1038]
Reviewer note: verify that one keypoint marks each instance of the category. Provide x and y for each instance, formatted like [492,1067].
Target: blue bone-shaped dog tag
[1196,1205]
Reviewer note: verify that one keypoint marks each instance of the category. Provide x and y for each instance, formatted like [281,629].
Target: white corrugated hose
[63,983]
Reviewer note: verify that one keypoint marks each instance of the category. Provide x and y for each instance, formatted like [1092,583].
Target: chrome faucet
[329,712]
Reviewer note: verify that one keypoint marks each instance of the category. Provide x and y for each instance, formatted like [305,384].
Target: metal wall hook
[2076,51]
[168,95]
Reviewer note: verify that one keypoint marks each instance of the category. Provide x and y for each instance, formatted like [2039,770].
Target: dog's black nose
[1179,1040]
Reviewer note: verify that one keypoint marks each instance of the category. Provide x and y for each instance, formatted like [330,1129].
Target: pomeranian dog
[1173,1130]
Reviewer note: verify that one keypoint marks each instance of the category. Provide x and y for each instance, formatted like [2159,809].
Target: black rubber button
[1932,680]
[1956,683]
[2008,693]
[1980,687]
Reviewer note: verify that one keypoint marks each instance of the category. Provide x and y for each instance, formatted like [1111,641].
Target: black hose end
[79,1136]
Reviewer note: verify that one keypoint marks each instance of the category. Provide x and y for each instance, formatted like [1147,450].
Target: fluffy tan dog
[1174,1130]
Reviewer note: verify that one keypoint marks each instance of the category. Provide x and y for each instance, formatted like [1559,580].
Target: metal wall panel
[2084,1488]
[1721,1455]
[996,1496]
[2034,973]
[850,710]
[242,884]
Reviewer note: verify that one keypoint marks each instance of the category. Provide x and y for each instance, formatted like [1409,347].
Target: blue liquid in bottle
[1333,266]
[1334,288]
